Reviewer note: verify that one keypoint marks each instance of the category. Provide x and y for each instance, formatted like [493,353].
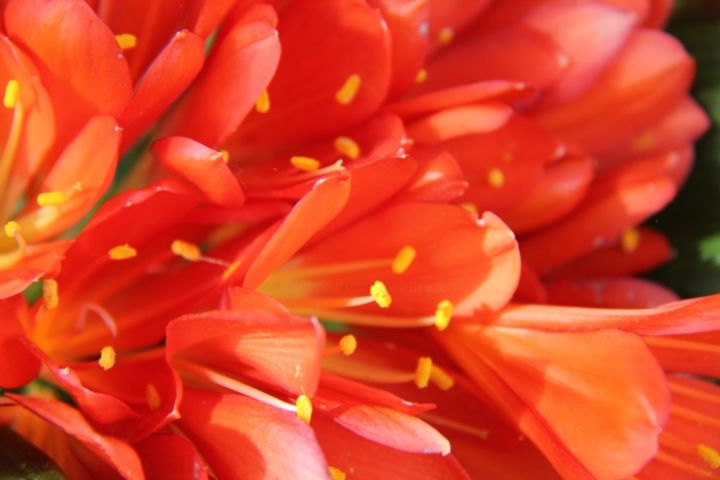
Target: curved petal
[170,457]
[608,293]
[242,438]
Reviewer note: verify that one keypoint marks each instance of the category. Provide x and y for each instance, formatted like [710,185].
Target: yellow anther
[304,408]
[421,76]
[380,294]
[152,397]
[225,155]
[306,164]
[348,147]
[50,294]
[11,228]
[46,199]
[262,104]
[12,94]
[470,207]
[126,40]
[630,240]
[336,474]
[443,314]
[445,35]
[107,358]
[348,344]
[441,378]
[496,178]
[423,371]
[188,251]
[349,90]
[403,259]
[122,252]
[709,456]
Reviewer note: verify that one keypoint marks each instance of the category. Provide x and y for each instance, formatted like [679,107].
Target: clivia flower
[360,239]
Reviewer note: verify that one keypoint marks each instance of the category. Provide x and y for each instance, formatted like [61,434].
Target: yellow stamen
[107,358]
[188,251]
[630,240]
[445,35]
[348,344]
[709,456]
[443,314]
[304,408]
[441,378]
[380,294]
[12,94]
[262,104]
[11,228]
[347,146]
[423,371]
[225,155]
[349,90]
[421,76]
[126,41]
[470,207]
[306,164]
[229,271]
[50,294]
[152,397]
[403,259]
[122,252]
[496,178]
[336,474]
[46,199]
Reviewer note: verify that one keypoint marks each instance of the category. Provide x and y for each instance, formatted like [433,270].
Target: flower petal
[170,457]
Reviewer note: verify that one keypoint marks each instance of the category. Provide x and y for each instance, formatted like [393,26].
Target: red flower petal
[203,167]
[39,260]
[165,79]
[310,214]
[591,417]
[324,43]
[114,453]
[236,73]
[366,459]
[17,364]
[608,293]
[242,438]
[695,353]
[170,457]
[80,62]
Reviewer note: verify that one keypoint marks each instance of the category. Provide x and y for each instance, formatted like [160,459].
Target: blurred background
[692,221]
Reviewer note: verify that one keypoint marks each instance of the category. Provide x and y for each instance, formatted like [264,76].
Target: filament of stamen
[102,314]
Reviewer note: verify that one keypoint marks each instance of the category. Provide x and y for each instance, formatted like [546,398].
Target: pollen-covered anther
[347,146]
[349,90]
[380,294]
[336,474]
[262,104]
[306,164]
[126,41]
[403,259]
[445,35]
[443,314]
[152,397]
[709,455]
[47,199]
[423,372]
[225,155]
[12,228]
[630,240]
[348,345]
[495,178]
[441,378]
[304,408]
[12,94]
[188,251]
[122,252]
[470,207]
[107,358]
[51,299]
[421,76]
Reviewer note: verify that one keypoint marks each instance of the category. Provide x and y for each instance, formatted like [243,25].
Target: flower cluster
[349,239]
